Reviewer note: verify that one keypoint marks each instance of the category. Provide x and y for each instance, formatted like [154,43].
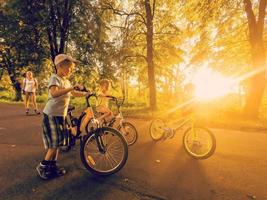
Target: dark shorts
[54,134]
[28,93]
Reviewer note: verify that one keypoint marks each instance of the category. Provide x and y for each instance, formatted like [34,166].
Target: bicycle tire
[131,136]
[156,129]
[209,152]
[91,162]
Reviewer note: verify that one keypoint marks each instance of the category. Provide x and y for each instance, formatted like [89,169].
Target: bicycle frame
[83,119]
[187,120]
[119,115]
[183,121]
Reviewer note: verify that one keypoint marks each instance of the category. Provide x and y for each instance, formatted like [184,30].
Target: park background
[149,49]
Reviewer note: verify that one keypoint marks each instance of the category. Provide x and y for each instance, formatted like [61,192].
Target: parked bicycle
[199,142]
[127,129]
[103,150]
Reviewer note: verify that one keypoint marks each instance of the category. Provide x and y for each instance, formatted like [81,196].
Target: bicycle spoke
[112,155]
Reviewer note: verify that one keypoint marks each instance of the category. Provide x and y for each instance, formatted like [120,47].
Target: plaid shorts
[54,131]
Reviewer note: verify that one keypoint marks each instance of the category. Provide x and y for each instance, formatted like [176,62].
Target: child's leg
[106,113]
[27,98]
[51,154]
[57,170]
[33,97]
[44,168]
[52,139]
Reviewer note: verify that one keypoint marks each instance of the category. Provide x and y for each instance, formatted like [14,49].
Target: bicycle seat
[71,108]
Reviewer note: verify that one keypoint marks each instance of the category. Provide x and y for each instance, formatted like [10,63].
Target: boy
[54,112]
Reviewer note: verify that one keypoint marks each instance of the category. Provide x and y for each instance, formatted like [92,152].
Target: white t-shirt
[30,85]
[58,106]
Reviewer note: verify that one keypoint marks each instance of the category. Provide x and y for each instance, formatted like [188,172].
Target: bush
[6,95]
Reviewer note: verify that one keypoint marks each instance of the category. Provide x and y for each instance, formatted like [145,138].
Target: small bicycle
[199,142]
[103,150]
[127,129]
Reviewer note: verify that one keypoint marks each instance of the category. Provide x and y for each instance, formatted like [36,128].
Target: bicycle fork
[99,141]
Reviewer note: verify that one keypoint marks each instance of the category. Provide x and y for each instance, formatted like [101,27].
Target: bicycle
[127,129]
[199,142]
[103,150]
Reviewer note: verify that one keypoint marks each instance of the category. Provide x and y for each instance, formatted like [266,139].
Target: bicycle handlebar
[116,100]
[93,94]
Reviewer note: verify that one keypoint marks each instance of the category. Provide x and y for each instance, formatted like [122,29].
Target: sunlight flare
[210,84]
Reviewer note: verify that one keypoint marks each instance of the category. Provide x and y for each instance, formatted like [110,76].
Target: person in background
[29,87]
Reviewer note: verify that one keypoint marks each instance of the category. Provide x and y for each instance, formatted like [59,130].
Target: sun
[210,84]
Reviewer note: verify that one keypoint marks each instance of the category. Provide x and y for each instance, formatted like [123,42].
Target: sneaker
[57,170]
[27,111]
[44,171]
[37,112]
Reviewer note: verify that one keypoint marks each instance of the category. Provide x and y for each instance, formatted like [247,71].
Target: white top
[103,99]
[30,85]
[58,106]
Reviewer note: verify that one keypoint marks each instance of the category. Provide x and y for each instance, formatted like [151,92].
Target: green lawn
[223,113]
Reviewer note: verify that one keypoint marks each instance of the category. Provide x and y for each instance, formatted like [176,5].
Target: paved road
[237,170]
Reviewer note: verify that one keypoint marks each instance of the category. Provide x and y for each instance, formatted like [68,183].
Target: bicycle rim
[129,132]
[113,157]
[157,129]
[199,142]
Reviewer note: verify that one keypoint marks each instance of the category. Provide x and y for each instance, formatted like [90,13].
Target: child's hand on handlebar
[88,93]
[78,87]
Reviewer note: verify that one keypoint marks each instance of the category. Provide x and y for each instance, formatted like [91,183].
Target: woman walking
[30,85]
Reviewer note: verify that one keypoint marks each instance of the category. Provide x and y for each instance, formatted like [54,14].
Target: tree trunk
[258,81]
[57,32]
[15,83]
[12,75]
[150,63]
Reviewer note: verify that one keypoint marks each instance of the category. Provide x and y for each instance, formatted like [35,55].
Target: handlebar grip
[111,97]
[76,88]
[82,90]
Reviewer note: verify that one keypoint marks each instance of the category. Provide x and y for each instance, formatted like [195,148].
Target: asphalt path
[162,170]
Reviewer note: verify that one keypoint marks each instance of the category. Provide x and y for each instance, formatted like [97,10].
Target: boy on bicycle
[54,113]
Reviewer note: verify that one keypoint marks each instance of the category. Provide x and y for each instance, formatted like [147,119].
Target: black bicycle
[103,150]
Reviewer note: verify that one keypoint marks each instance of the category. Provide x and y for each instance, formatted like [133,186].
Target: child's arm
[56,92]
[79,94]
[23,84]
[36,84]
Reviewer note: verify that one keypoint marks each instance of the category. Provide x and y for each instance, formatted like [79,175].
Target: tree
[226,45]
[19,43]
[258,82]
[149,31]
[60,16]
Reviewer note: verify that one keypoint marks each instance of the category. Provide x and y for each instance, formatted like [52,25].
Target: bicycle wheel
[199,142]
[157,129]
[129,132]
[104,151]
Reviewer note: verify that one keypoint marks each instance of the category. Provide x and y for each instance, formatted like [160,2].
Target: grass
[224,113]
